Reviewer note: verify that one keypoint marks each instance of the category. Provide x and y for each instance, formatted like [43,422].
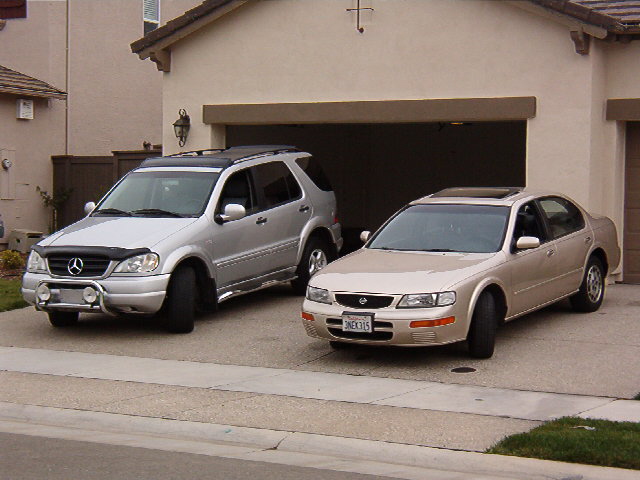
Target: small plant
[11,260]
[55,201]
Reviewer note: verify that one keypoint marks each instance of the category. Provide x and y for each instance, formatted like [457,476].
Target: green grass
[611,444]
[10,296]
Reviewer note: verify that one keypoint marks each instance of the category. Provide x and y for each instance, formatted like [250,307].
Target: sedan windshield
[444,228]
[159,194]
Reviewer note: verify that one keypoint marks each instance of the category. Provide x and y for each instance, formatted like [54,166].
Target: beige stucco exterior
[114,101]
[283,51]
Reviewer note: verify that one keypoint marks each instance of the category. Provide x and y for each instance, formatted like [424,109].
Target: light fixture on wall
[181,127]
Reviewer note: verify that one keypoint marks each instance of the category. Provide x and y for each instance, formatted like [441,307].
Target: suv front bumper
[142,294]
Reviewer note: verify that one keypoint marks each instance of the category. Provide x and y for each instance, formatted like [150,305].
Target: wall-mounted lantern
[181,127]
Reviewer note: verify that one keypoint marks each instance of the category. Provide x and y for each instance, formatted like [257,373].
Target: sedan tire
[589,297]
[484,323]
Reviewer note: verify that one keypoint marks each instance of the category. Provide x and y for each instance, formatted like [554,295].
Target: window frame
[262,201]
[549,226]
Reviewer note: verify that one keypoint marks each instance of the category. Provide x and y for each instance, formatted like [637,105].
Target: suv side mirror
[364,236]
[89,207]
[525,243]
[233,211]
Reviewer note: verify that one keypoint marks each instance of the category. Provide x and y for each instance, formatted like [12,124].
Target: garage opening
[377,168]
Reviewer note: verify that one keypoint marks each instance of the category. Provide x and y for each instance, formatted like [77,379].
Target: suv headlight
[318,295]
[139,264]
[425,300]
[35,263]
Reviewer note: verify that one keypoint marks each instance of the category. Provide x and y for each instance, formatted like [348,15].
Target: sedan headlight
[36,263]
[424,300]
[318,295]
[139,264]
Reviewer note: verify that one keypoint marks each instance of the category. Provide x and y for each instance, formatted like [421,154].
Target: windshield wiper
[439,250]
[111,211]
[156,211]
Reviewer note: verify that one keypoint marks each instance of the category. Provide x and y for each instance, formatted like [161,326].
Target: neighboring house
[404,97]
[97,96]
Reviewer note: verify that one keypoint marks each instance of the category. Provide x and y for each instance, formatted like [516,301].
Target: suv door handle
[304,208]
[261,220]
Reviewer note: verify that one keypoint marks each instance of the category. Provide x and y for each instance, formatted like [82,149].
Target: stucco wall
[292,51]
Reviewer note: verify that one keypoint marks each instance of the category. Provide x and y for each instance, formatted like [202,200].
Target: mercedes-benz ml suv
[188,230]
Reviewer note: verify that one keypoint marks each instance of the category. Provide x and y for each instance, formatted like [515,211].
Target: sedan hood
[393,272]
[122,232]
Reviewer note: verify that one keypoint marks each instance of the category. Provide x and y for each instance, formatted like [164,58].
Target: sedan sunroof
[478,192]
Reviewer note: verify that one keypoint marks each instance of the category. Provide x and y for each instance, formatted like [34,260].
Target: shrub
[10,259]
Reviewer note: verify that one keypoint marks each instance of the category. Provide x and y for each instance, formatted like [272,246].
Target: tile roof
[16,83]
[618,17]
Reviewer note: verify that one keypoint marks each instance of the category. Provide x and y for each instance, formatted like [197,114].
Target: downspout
[66,81]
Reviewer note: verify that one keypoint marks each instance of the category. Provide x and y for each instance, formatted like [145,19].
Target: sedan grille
[67,265]
[363,301]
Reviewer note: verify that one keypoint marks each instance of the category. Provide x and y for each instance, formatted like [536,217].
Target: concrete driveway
[131,367]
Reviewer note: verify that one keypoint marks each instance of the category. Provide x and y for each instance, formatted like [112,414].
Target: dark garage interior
[377,168]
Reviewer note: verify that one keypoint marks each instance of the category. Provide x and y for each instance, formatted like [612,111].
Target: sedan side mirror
[231,212]
[364,236]
[89,207]
[525,243]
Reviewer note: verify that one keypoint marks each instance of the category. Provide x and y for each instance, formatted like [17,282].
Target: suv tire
[316,256]
[63,319]
[181,299]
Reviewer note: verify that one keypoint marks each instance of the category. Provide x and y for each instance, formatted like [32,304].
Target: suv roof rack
[221,158]
[478,192]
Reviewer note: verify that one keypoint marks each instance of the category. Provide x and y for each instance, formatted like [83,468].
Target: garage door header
[390,111]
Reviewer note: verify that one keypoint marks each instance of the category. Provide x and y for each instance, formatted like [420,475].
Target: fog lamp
[43,293]
[89,295]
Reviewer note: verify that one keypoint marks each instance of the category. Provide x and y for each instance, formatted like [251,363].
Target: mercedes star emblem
[75,266]
[362,301]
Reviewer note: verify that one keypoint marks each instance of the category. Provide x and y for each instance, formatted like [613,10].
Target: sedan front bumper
[391,326]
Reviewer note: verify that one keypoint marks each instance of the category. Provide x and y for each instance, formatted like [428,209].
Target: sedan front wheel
[482,331]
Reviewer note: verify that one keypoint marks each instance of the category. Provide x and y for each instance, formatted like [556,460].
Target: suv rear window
[314,171]
[277,183]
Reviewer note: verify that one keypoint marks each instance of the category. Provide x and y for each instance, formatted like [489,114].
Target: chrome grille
[424,337]
[354,300]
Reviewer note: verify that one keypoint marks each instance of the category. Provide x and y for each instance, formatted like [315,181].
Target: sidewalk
[290,448]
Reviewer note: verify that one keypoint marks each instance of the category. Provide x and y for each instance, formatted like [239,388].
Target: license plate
[71,296]
[357,322]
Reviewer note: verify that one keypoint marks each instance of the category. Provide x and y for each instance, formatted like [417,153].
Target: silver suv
[189,230]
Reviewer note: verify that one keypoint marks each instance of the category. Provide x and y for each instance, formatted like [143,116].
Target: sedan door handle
[304,208]
[261,220]
[587,240]
[550,253]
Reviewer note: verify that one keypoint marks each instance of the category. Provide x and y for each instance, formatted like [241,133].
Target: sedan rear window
[445,228]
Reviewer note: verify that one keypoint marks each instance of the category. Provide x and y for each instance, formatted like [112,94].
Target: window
[528,224]
[238,190]
[276,183]
[563,216]
[314,171]
[13,9]
[150,15]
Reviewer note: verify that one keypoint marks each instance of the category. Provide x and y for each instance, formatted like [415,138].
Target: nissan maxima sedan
[454,265]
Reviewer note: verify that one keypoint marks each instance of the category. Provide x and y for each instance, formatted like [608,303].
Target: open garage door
[377,168]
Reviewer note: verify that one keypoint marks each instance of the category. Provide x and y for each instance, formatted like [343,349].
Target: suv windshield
[445,228]
[159,194]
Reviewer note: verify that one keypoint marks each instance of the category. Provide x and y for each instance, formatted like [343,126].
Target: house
[401,98]
[70,86]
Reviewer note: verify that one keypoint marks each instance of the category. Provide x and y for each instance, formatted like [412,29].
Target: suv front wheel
[181,300]
[315,257]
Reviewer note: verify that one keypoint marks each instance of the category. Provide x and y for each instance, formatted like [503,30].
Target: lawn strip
[10,296]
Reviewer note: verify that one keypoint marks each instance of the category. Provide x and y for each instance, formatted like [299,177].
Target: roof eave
[25,92]
[156,45]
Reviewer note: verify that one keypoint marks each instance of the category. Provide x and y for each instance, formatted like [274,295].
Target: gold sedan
[454,265]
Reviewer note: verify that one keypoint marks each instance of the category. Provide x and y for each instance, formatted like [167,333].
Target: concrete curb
[294,448]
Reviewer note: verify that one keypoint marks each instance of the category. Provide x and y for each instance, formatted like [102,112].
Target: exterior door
[631,253]
[533,270]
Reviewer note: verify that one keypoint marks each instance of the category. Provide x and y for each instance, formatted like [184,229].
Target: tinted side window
[314,171]
[276,183]
[238,189]
[563,216]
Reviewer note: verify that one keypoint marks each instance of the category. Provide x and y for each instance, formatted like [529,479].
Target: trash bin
[21,240]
